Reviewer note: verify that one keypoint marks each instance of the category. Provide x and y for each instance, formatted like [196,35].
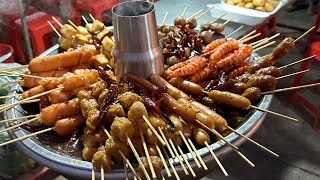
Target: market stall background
[295,142]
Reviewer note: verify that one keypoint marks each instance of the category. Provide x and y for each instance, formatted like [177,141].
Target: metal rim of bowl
[54,160]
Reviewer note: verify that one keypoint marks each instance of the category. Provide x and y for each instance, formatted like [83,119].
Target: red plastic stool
[94,7]
[7,50]
[39,31]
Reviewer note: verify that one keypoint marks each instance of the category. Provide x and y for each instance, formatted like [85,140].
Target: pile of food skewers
[130,119]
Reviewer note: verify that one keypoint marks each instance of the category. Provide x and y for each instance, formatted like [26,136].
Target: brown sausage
[145,83]
[178,126]
[185,112]
[173,91]
[32,82]
[231,99]
[200,135]
[61,60]
[54,112]
[67,126]
[33,91]
[185,85]
[187,131]
[220,122]
[201,115]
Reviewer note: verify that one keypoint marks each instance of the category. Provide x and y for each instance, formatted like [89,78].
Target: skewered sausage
[185,85]
[178,126]
[283,48]
[230,99]
[200,135]
[173,91]
[252,93]
[264,82]
[271,70]
[54,112]
[33,91]
[62,60]
[67,126]
[145,83]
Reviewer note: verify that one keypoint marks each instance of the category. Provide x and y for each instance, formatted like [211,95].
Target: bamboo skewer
[231,145]
[218,18]
[264,46]
[285,66]
[304,34]
[190,150]
[167,143]
[122,155]
[187,162]
[14,68]
[55,30]
[18,125]
[271,112]
[259,41]
[170,163]
[254,142]
[225,23]
[198,155]
[125,170]
[9,96]
[265,41]
[154,131]
[195,14]
[249,38]
[177,155]
[27,136]
[84,19]
[57,21]
[247,35]
[217,134]
[290,88]
[164,161]
[91,17]
[205,12]
[13,119]
[72,24]
[27,99]
[292,74]
[93,177]
[21,74]
[184,11]
[135,153]
[234,32]
[216,159]
[153,173]
[102,173]
[164,18]
[11,82]
[9,75]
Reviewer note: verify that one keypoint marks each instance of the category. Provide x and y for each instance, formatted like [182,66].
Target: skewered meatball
[100,158]
[206,36]
[217,28]
[205,26]
[272,70]
[128,98]
[112,147]
[115,110]
[122,128]
[156,163]
[252,93]
[88,152]
[180,21]
[135,115]
[87,105]
[192,22]
[98,88]
[84,94]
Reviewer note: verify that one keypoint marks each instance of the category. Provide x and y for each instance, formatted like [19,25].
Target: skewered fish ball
[206,36]
[180,21]
[160,27]
[166,29]
[127,99]
[156,163]
[205,26]
[100,158]
[192,22]
[115,110]
[122,128]
[112,146]
[135,115]
[217,28]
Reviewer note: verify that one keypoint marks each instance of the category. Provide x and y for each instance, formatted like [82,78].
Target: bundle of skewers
[155,121]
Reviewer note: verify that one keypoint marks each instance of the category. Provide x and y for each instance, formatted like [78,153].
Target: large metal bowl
[80,169]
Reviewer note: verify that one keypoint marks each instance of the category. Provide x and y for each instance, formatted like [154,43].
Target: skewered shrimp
[214,44]
[221,50]
[238,71]
[193,65]
[200,75]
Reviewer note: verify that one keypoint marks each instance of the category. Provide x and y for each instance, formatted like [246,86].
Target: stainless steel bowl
[80,169]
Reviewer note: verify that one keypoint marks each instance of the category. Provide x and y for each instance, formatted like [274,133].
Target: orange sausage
[80,77]
[67,126]
[54,112]
[61,60]
[50,82]
[231,99]
[33,91]
[200,135]
[32,82]
[185,85]
[63,95]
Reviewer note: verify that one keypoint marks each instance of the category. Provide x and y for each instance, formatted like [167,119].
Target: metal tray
[80,169]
